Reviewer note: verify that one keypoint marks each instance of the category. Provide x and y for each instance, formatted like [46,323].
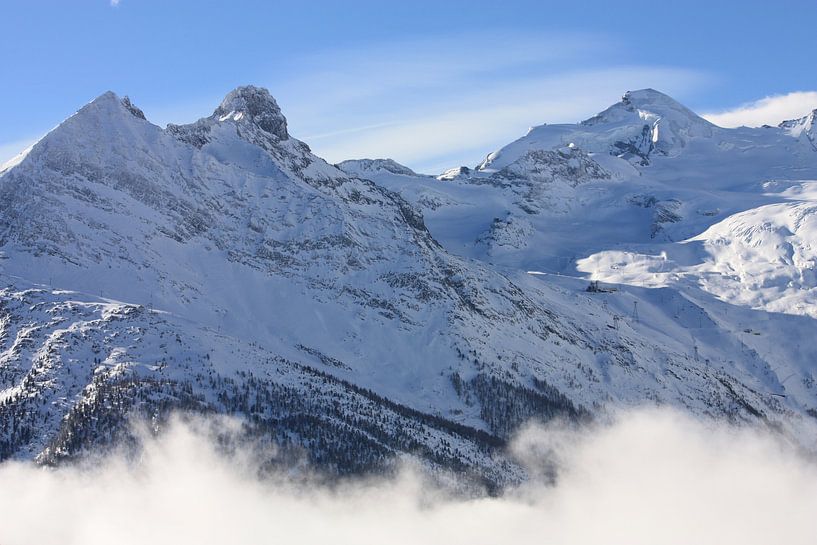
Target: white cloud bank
[767,111]
[653,478]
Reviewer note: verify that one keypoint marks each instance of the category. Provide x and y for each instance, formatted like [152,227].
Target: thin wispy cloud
[461,124]
[441,102]
[464,131]
[115,3]
[437,102]
[767,111]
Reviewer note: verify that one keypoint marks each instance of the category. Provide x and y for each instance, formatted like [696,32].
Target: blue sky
[430,84]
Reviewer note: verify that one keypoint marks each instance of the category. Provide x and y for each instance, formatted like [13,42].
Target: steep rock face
[804,128]
[257,106]
[222,267]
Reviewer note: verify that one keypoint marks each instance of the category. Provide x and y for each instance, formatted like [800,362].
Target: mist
[651,477]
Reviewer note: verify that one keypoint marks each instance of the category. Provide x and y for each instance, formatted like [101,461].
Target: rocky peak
[804,125]
[254,105]
[133,109]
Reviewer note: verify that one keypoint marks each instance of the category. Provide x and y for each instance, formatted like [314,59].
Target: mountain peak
[644,123]
[107,96]
[97,121]
[132,108]
[110,101]
[652,122]
[256,105]
[648,104]
[648,96]
[796,126]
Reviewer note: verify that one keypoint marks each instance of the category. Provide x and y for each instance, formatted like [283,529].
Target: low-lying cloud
[650,478]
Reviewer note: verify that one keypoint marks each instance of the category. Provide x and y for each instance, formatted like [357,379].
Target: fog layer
[651,478]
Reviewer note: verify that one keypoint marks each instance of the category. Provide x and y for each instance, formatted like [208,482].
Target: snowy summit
[360,312]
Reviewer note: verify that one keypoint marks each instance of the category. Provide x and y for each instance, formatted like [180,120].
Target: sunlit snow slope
[357,313]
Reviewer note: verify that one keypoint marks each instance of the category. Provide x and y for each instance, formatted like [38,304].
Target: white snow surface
[239,241]
[649,195]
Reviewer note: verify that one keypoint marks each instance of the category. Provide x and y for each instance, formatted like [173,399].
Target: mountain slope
[222,267]
[699,216]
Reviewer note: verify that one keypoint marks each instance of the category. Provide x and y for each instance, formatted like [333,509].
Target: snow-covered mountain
[357,313]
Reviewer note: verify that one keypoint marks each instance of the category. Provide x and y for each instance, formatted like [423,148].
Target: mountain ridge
[358,312]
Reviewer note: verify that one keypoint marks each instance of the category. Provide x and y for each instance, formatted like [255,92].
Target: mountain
[364,167]
[803,128]
[359,313]
[644,124]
